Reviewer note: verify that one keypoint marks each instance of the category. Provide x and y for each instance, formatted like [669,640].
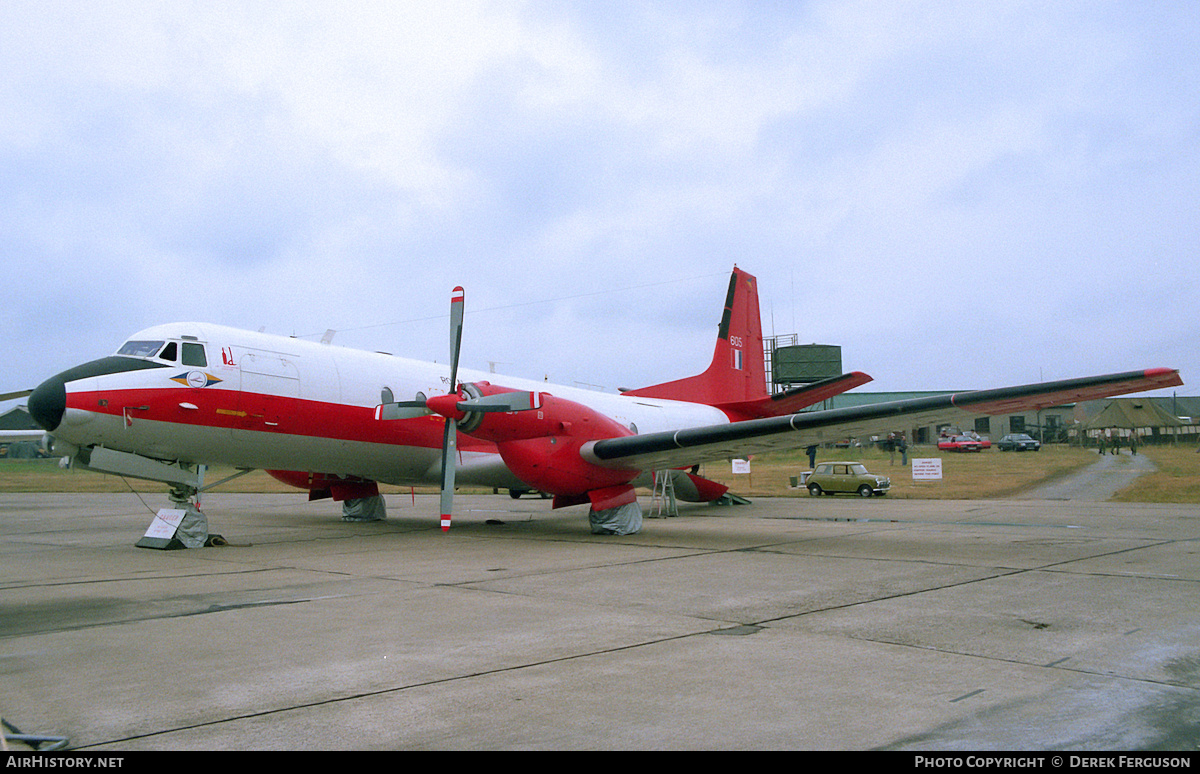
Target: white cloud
[323,165]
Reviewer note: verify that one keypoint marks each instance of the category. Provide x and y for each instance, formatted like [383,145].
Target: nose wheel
[184,525]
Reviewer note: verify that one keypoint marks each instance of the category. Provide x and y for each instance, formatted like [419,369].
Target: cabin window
[193,355]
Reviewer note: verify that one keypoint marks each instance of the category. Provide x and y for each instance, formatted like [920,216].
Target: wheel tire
[814,490]
[865,491]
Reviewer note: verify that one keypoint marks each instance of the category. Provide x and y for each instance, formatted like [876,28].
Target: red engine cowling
[541,445]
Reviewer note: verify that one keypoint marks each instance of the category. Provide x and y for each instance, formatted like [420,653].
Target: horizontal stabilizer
[795,399]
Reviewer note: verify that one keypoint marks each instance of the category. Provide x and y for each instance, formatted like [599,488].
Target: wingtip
[1163,377]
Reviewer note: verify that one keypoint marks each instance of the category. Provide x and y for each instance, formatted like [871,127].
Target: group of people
[897,443]
[1112,442]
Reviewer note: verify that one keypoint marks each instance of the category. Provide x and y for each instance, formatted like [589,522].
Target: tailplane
[736,380]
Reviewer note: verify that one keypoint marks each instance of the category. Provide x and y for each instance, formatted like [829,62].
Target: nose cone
[48,403]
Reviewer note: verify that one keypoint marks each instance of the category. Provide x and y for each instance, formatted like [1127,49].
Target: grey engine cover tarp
[622,520]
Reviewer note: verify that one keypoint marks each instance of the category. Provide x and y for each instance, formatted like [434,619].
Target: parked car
[846,477]
[984,441]
[959,443]
[1018,442]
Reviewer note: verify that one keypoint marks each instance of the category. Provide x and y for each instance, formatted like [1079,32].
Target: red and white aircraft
[337,421]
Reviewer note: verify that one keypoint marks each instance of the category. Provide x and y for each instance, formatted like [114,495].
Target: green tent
[1132,413]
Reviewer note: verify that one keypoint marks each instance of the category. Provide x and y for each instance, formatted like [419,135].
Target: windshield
[140,348]
[189,353]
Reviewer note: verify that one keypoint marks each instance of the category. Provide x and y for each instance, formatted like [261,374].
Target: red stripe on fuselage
[255,412]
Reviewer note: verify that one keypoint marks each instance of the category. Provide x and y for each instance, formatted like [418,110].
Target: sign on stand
[742,468]
[927,469]
[175,528]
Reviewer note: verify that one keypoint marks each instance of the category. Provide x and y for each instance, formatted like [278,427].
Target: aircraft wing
[681,448]
[16,436]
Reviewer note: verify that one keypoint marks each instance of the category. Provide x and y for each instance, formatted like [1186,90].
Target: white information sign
[166,521]
[927,469]
[741,467]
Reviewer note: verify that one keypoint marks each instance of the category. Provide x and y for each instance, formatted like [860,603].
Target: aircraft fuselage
[251,400]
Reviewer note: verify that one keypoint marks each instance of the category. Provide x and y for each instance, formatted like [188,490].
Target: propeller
[462,406]
[450,433]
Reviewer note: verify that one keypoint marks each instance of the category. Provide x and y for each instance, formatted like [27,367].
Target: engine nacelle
[553,464]
[540,444]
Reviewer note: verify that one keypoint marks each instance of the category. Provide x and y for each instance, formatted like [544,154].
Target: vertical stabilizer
[736,374]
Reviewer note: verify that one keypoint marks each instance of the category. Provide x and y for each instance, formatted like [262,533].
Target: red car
[959,443]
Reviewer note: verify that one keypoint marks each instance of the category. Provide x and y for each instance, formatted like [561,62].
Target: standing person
[891,444]
[1100,443]
[1133,441]
[903,449]
[1116,442]
[812,456]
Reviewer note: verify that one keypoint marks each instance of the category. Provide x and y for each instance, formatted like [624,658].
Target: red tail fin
[736,380]
[736,374]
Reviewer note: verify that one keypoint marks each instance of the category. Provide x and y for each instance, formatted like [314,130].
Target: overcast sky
[960,195]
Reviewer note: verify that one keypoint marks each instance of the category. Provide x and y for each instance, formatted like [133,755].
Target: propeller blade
[456,326]
[18,394]
[450,435]
[405,409]
[449,463]
[504,401]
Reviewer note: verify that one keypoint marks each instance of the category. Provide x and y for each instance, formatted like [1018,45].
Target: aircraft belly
[386,463]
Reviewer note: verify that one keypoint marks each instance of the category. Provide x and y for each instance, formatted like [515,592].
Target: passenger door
[270,387]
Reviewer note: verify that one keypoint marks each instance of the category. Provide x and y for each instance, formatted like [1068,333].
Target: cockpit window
[193,355]
[140,348]
[168,352]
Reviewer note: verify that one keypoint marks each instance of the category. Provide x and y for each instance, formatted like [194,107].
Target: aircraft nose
[48,402]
